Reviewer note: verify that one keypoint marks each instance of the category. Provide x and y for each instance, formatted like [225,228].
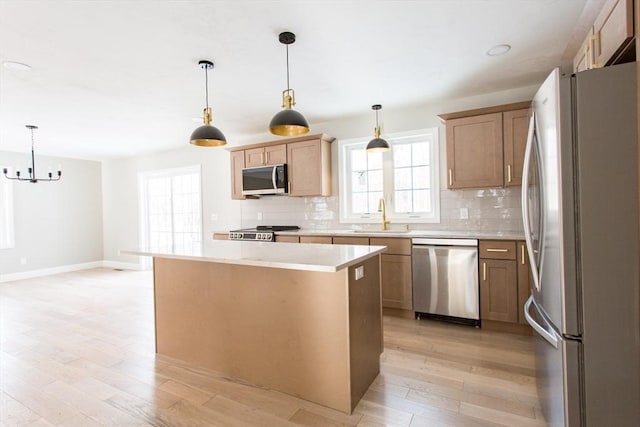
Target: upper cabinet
[308,160]
[608,41]
[265,156]
[485,147]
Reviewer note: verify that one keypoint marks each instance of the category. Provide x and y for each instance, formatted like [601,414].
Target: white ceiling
[118,78]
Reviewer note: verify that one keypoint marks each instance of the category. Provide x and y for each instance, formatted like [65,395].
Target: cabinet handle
[484,271]
[522,253]
[290,187]
[496,250]
[592,48]
[587,56]
[450,177]
[508,173]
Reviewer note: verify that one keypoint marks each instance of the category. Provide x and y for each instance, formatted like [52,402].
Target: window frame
[344,178]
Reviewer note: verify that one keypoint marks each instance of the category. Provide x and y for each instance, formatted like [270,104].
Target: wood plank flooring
[77,349]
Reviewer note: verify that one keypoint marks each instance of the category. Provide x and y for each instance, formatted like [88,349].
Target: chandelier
[32,170]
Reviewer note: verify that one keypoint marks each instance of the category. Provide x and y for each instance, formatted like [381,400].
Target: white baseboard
[68,268]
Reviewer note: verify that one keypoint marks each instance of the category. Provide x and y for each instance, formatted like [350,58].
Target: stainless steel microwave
[263,180]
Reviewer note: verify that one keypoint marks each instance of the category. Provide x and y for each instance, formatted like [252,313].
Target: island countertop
[292,256]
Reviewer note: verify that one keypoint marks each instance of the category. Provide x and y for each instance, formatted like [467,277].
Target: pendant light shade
[377,144]
[207,135]
[288,122]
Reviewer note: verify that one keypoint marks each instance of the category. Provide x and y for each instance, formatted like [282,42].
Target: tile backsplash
[489,210]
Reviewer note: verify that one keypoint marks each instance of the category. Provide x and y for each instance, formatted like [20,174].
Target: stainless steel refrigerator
[580,211]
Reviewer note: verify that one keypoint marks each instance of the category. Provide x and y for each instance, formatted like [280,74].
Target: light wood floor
[77,349]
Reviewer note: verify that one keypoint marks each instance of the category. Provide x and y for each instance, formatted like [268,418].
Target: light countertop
[408,234]
[294,256]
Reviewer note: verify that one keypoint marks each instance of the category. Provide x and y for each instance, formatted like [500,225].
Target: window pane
[359,203]
[374,159]
[402,202]
[420,154]
[374,198]
[358,160]
[402,179]
[422,201]
[401,155]
[421,177]
[375,180]
[358,181]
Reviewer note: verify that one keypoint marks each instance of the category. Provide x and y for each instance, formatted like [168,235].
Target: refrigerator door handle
[525,201]
[550,337]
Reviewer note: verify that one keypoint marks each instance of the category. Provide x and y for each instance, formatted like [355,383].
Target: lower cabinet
[316,239]
[504,282]
[397,291]
[287,239]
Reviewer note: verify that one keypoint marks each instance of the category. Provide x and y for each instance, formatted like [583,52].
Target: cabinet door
[316,239]
[237,163]
[305,168]
[584,58]
[524,284]
[613,28]
[275,155]
[498,290]
[515,129]
[474,151]
[287,238]
[220,236]
[396,282]
[346,240]
[254,157]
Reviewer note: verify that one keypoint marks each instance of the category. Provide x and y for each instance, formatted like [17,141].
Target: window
[171,209]
[406,177]
[7,238]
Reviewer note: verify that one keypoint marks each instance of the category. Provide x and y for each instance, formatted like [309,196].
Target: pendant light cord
[206,86]
[287,67]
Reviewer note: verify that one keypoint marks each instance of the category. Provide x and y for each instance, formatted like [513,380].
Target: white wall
[489,210]
[56,223]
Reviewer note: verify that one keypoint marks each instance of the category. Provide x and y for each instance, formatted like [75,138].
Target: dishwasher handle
[444,242]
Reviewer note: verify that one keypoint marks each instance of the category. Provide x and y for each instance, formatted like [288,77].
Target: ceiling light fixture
[288,122]
[32,170]
[499,49]
[377,144]
[207,135]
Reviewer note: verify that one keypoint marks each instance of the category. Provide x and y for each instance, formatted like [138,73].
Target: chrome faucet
[382,208]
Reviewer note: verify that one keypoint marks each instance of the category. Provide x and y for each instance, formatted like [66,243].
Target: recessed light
[12,65]
[499,49]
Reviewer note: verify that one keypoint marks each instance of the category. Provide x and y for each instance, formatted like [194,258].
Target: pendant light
[32,170]
[377,144]
[288,122]
[207,135]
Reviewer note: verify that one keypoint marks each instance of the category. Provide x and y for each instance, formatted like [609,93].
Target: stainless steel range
[264,233]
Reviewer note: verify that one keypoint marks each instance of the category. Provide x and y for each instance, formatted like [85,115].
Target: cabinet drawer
[288,239]
[220,236]
[497,249]
[343,240]
[395,245]
[315,239]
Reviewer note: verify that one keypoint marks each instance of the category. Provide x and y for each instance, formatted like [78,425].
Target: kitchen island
[302,319]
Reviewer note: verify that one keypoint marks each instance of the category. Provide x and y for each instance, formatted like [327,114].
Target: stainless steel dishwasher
[445,279]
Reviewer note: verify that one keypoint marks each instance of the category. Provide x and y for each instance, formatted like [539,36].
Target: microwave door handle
[550,337]
[273,177]
[525,201]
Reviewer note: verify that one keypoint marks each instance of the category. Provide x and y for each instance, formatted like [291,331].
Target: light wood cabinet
[309,167]
[220,236]
[609,40]
[504,284]
[474,151]
[397,290]
[237,164]
[308,160]
[348,240]
[515,125]
[287,239]
[485,147]
[265,156]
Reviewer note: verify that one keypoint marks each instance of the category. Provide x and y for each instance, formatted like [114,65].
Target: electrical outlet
[214,217]
[359,272]
[464,213]
[259,216]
